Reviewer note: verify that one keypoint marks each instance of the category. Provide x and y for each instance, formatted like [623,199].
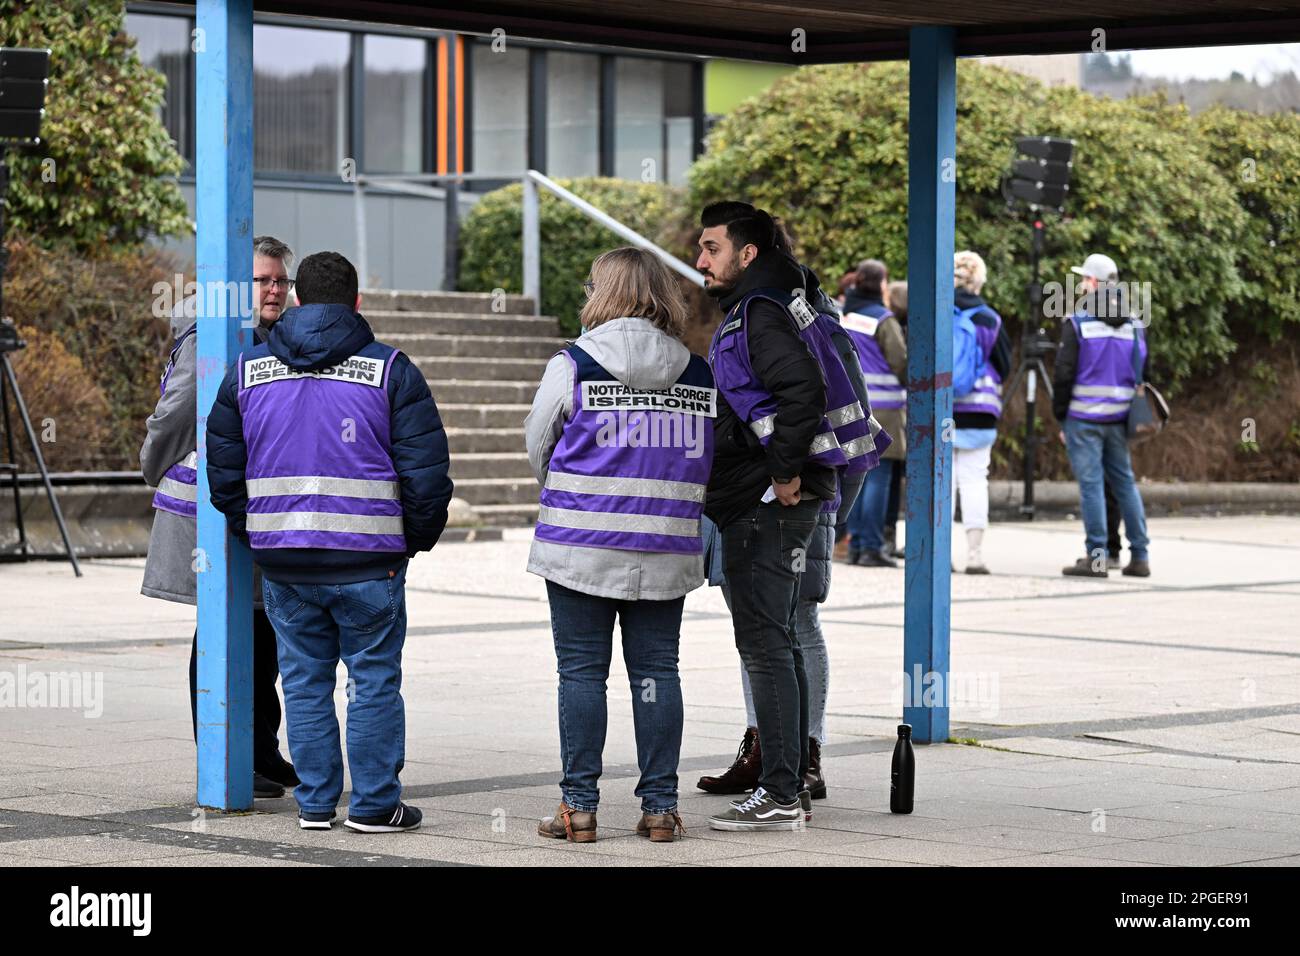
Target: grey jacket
[170,435]
[641,356]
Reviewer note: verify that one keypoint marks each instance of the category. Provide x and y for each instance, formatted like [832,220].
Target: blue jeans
[1099,456]
[364,624]
[867,519]
[583,625]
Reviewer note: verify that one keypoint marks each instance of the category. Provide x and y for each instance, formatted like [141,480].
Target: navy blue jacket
[313,337]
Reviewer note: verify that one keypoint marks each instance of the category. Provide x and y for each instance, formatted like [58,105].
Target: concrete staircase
[483,368]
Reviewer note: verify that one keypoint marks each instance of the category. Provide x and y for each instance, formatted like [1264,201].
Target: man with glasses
[168,459]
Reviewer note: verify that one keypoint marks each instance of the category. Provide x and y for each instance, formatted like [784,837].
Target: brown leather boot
[576,826]
[660,827]
[813,780]
[841,552]
[742,775]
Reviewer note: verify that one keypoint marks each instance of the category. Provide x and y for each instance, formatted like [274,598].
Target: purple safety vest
[632,466]
[178,492]
[986,397]
[883,387]
[1106,378]
[320,466]
[729,359]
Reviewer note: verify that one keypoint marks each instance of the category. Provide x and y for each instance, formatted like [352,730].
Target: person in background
[327,454]
[618,532]
[882,351]
[814,588]
[897,302]
[168,460]
[976,413]
[1098,366]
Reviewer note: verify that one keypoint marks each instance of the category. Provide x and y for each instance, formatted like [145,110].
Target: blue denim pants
[364,625]
[867,518]
[1099,456]
[583,625]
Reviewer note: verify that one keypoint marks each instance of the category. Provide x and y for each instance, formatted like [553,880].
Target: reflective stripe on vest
[756,406]
[985,396]
[884,390]
[632,465]
[1104,383]
[178,491]
[320,466]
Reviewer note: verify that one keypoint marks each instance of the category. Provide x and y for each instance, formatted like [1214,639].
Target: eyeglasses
[267,282]
[589,287]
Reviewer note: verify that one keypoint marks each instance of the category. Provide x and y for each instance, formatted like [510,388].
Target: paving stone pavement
[1123,722]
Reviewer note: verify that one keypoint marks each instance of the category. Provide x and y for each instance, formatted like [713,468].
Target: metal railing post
[359,200]
[532,244]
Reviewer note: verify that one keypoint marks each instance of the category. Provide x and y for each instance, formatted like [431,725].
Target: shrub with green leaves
[103,173]
[491,255]
[826,149]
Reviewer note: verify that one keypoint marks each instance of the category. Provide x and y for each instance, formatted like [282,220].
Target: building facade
[333,99]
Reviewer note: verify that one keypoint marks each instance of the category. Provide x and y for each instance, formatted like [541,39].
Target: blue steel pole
[931,194]
[224,253]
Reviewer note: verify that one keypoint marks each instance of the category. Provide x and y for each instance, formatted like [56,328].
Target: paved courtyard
[1097,723]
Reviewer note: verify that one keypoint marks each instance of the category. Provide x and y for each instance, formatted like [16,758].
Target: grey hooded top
[170,435]
[639,355]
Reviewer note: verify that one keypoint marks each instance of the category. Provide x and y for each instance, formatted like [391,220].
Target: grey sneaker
[805,801]
[760,812]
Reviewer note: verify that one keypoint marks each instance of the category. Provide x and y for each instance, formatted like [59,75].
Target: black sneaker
[760,812]
[264,788]
[876,559]
[1083,568]
[403,818]
[316,821]
[805,801]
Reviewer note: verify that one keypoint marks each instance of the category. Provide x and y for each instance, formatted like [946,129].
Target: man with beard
[774,465]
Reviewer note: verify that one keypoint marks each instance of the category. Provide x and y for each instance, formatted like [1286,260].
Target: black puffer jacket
[742,467]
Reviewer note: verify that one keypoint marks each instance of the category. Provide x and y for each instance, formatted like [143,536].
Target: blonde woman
[620,437]
[976,413]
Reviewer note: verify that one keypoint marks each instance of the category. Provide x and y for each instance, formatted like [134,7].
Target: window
[499,100]
[572,114]
[654,120]
[163,44]
[300,91]
[395,109]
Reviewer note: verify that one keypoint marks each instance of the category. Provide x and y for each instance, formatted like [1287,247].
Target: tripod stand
[1034,345]
[9,342]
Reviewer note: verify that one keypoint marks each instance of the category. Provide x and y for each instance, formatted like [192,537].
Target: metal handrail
[533,243]
[530,180]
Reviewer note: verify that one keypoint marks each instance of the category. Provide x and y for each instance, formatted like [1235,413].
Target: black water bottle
[903,772]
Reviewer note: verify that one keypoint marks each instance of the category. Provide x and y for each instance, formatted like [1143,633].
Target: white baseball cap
[1099,267]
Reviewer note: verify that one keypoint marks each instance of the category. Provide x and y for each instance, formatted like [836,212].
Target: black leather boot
[813,780]
[742,775]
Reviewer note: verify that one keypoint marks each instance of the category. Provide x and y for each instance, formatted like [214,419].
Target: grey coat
[639,355]
[170,435]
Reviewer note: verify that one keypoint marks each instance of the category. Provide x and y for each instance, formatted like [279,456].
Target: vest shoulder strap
[586,368]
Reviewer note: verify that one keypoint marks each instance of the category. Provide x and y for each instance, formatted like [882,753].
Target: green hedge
[1205,208]
[490,251]
[826,149]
